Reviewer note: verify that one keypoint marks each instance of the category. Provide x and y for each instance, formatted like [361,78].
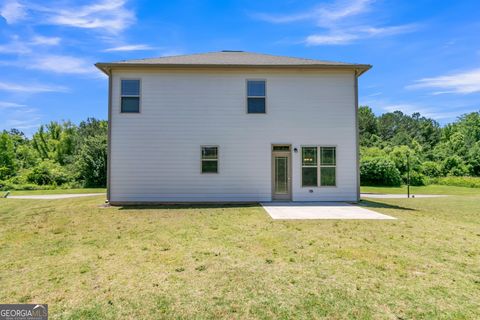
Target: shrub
[416,179]
[454,166]
[379,171]
[431,169]
[48,173]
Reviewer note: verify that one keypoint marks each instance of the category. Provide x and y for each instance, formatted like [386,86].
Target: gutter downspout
[357,134]
[109,140]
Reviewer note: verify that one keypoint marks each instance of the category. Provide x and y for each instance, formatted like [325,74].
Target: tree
[7,156]
[92,161]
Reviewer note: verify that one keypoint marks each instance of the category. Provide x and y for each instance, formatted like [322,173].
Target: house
[232,126]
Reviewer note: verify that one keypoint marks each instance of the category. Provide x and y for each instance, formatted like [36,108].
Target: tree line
[58,154]
[393,141]
[69,155]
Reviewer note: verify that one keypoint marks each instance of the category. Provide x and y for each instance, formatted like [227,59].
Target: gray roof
[231,59]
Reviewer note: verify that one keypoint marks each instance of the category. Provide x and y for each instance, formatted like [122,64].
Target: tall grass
[470,182]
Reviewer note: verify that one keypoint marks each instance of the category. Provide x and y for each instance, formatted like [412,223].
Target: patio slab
[320,210]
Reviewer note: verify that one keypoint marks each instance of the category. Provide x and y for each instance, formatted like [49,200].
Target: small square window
[256,96]
[130,97]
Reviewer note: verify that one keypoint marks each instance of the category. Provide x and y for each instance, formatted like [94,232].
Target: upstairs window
[130,100]
[209,159]
[256,98]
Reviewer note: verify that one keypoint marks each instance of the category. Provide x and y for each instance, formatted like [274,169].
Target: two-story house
[232,126]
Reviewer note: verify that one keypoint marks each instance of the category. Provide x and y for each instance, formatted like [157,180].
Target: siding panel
[156,153]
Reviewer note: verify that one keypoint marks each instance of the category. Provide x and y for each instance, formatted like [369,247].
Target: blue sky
[425,54]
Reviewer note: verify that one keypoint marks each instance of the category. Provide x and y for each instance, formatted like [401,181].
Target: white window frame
[264,96]
[139,96]
[217,158]
[318,165]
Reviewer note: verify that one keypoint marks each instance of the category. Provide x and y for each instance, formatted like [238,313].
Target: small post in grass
[408,175]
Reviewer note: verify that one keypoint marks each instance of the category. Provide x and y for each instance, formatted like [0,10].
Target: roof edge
[105,67]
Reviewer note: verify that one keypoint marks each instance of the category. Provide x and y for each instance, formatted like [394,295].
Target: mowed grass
[234,262]
[56,191]
[430,189]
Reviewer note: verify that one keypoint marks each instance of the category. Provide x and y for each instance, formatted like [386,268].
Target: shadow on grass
[374,204]
[183,206]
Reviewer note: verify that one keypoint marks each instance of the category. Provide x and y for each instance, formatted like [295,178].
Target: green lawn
[430,189]
[56,191]
[89,262]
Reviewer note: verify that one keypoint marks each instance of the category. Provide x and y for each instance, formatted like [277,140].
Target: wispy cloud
[349,35]
[45,41]
[130,47]
[10,105]
[20,46]
[110,16]
[339,23]
[30,88]
[460,83]
[61,64]
[322,15]
[12,11]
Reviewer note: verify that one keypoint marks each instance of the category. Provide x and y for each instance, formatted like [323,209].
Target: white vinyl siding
[155,155]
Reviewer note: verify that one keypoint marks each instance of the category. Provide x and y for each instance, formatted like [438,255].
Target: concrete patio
[320,210]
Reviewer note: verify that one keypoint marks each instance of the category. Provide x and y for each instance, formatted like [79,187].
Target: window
[130,96]
[309,167]
[209,159]
[256,96]
[327,166]
[319,162]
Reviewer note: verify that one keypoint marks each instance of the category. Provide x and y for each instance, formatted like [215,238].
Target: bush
[416,179]
[91,163]
[431,169]
[454,166]
[379,171]
[48,173]
[469,182]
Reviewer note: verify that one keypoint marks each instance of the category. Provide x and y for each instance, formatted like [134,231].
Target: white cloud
[110,16]
[12,11]
[61,64]
[348,36]
[30,88]
[45,41]
[19,46]
[323,15]
[10,105]
[461,83]
[131,47]
[339,22]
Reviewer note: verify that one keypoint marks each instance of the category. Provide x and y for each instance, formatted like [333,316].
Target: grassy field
[430,189]
[56,191]
[90,262]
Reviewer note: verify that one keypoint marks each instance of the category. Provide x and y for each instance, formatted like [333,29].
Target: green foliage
[48,172]
[454,166]
[379,171]
[92,161]
[470,182]
[7,156]
[58,154]
[431,169]
[453,150]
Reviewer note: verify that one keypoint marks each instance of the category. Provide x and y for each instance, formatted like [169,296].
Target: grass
[56,191]
[184,262]
[430,189]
